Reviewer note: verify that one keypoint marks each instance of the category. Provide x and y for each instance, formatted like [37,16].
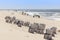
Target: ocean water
[47,15]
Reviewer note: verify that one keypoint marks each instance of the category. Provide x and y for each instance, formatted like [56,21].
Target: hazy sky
[30,4]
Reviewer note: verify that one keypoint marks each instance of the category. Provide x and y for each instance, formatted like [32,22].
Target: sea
[51,14]
[48,15]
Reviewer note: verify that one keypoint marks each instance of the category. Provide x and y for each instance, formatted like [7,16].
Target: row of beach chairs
[33,28]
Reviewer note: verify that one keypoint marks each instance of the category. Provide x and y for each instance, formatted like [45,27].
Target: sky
[29,4]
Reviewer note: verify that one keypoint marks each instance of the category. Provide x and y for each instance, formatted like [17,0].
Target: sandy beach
[13,32]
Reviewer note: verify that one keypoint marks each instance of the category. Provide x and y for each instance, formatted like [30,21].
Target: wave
[53,16]
[48,15]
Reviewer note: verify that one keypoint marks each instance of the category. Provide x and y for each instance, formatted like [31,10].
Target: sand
[13,32]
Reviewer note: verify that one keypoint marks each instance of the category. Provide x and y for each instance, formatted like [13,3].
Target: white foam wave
[50,16]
